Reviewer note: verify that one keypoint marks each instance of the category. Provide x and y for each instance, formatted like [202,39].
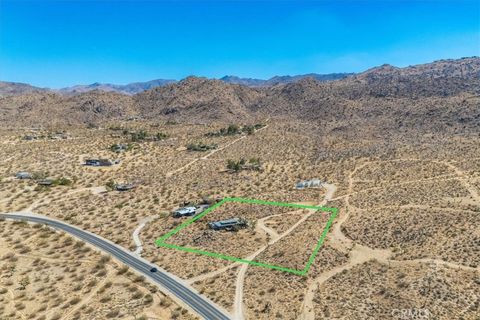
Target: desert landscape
[395,150]
[50,275]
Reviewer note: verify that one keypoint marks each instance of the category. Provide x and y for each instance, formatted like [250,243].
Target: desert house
[232,224]
[45,182]
[120,147]
[313,183]
[100,162]
[30,137]
[124,186]
[23,175]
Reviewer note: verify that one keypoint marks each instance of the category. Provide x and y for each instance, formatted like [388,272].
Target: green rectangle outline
[160,242]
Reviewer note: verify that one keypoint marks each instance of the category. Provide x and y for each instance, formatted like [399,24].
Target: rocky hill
[53,109]
[17,88]
[440,78]
[441,96]
[198,99]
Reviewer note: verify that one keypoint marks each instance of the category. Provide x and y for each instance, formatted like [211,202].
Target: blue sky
[62,43]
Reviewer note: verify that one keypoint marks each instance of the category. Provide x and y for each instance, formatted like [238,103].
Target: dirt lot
[49,275]
[402,206]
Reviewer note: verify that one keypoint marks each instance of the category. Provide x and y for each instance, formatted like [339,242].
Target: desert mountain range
[440,96]
[14,88]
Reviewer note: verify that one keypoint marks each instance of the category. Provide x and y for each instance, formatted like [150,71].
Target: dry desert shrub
[375,290]
[50,281]
[418,232]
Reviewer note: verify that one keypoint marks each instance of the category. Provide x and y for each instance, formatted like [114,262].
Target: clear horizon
[59,44]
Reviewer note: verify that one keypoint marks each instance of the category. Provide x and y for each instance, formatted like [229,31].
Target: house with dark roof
[233,224]
[124,186]
[45,182]
[23,175]
[100,162]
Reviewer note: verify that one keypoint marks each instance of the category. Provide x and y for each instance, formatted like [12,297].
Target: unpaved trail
[259,228]
[12,301]
[136,233]
[357,253]
[422,206]
[445,177]
[212,274]
[337,238]
[171,173]
[88,297]
[12,196]
[270,232]
[238,310]
[462,177]
[7,159]
[48,258]
[436,262]
[41,202]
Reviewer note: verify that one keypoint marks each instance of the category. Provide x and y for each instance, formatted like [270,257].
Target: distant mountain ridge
[284,79]
[131,88]
[14,88]
[436,97]
[386,74]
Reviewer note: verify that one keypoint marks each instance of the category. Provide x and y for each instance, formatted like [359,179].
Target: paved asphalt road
[201,305]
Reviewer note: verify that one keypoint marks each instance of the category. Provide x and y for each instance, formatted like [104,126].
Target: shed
[124,186]
[45,182]
[98,162]
[23,175]
[232,224]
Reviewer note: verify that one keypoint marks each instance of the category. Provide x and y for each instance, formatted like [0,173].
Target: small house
[23,175]
[313,183]
[99,162]
[45,182]
[124,186]
[232,224]
[120,147]
[300,185]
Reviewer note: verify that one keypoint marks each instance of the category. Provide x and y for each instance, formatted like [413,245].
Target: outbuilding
[124,186]
[313,183]
[232,224]
[99,162]
[45,182]
[23,175]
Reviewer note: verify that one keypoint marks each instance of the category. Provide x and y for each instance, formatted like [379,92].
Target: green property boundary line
[334,211]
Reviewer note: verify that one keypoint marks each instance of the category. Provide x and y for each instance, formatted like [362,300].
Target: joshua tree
[232,129]
[233,165]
